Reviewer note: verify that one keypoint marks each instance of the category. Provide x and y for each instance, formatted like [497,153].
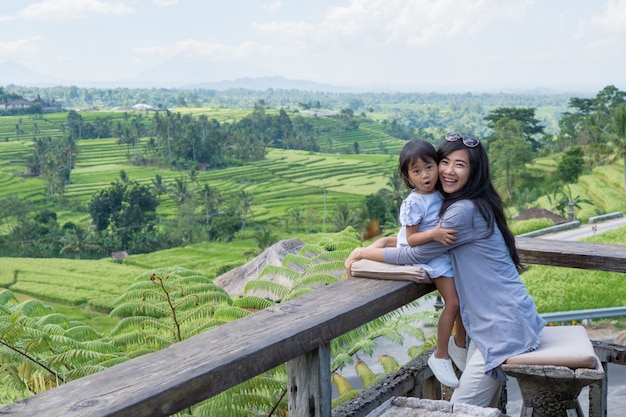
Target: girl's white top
[423,210]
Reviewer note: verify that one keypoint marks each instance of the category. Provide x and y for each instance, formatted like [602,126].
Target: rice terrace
[191,192]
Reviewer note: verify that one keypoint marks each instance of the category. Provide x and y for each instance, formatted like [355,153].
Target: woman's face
[454,171]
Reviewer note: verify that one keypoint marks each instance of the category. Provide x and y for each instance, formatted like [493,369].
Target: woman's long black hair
[480,190]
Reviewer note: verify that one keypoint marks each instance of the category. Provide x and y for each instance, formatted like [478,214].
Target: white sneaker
[457,354]
[442,368]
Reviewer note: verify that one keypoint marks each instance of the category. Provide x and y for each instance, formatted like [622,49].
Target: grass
[564,289]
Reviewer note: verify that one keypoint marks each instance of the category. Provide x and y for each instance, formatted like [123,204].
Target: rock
[234,281]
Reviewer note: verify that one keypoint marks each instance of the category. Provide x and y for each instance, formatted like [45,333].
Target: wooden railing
[297,332]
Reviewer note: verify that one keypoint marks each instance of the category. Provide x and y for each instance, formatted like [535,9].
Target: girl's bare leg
[446,288]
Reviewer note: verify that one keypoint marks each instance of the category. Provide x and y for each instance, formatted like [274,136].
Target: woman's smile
[454,171]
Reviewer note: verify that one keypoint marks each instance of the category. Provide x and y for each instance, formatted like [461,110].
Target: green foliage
[126,208]
[531,127]
[41,348]
[565,289]
[519,227]
[571,165]
[166,306]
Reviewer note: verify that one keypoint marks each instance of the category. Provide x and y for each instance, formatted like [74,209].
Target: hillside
[284,180]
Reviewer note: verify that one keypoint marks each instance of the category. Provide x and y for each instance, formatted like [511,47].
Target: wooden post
[309,384]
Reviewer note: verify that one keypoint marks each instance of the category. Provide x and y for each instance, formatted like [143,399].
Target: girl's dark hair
[481,191]
[412,151]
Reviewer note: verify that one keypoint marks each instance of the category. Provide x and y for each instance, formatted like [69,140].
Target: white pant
[475,387]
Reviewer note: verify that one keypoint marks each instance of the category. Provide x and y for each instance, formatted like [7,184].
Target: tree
[571,165]
[346,116]
[619,130]
[124,208]
[75,124]
[179,191]
[531,128]
[509,152]
[246,200]
[265,237]
[562,198]
[395,192]
[210,198]
[343,216]
[80,240]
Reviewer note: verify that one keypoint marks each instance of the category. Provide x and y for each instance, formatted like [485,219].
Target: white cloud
[383,22]
[18,48]
[63,10]
[62,58]
[165,3]
[613,19]
[420,22]
[273,6]
[212,51]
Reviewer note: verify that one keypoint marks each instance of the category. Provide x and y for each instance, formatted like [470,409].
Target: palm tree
[343,216]
[567,199]
[245,200]
[160,188]
[79,239]
[265,237]
[180,192]
[193,177]
[210,197]
[619,128]
[396,191]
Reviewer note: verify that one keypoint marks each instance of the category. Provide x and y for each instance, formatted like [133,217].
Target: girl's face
[423,175]
[454,171]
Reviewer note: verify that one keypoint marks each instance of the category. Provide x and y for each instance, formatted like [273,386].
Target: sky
[376,45]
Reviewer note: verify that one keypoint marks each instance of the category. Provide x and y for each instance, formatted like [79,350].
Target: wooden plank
[183,374]
[309,384]
[582,255]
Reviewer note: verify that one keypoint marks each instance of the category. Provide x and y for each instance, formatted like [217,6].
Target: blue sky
[433,45]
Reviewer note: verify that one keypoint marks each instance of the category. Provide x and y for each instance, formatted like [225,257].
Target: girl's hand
[444,236]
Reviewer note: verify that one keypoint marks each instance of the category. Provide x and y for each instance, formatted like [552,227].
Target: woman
[499,315]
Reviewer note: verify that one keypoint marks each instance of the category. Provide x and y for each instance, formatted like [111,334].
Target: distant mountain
[264,83]
[14,73]
[184,72]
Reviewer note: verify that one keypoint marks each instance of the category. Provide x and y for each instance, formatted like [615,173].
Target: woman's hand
[374,253]
[354,256]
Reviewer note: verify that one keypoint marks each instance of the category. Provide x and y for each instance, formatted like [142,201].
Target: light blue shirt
[423,210]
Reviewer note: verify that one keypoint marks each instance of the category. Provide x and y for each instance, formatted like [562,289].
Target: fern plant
[41,349]
[168,305]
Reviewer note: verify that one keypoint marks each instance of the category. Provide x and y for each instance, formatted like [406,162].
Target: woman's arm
[373,252]
[459,217]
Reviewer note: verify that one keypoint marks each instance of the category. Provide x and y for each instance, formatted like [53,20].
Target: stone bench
[551,377]
[418,407]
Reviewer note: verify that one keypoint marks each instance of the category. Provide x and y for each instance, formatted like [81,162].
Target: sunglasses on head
[469,141]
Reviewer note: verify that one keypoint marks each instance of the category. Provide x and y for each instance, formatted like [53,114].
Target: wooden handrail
[183,374]
[582,255]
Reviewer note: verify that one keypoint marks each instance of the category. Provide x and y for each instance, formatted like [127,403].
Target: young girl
[419,218]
